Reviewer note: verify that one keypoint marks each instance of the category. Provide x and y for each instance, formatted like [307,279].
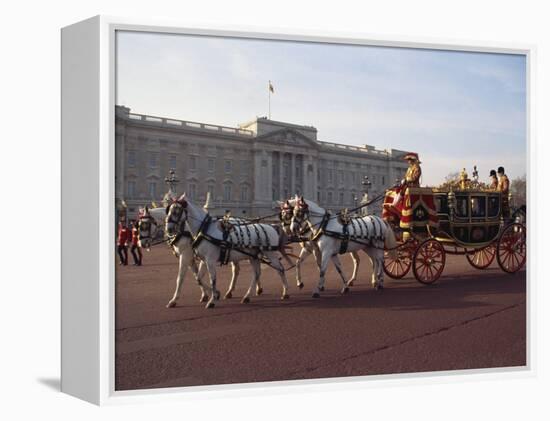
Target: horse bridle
[301,211]
[286,215]
[174,213]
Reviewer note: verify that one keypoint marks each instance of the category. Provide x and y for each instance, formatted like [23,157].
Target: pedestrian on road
[122,243]
[136,249]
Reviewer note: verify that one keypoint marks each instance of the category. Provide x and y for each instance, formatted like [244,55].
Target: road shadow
[460,292]
[53,383]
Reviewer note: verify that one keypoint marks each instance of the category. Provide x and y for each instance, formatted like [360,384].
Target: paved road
[469,319]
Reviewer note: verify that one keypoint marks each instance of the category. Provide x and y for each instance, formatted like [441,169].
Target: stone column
[281,187]
[292,174]
[314,182]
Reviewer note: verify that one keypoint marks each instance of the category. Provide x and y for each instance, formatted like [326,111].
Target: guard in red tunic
[136,249]
[123,239]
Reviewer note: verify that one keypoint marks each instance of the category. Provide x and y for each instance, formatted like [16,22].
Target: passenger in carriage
[494,180]
[504,188]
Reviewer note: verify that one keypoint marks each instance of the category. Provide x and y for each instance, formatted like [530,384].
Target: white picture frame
[88,108]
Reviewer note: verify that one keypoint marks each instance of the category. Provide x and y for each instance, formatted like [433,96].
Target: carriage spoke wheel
[512,248]
[398,266]
[428,261]
[482,258]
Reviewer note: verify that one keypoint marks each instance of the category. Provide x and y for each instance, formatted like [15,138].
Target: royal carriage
[433,223]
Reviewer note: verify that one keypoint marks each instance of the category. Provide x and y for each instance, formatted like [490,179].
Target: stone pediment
[290,137]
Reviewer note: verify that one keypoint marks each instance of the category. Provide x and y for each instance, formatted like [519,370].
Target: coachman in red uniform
[124,237]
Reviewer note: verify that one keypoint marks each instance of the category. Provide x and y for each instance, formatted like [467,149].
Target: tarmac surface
[468,319]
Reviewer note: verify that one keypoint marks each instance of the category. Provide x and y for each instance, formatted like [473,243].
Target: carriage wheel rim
[511,249]
[429,262]
[482,258]
[399,267]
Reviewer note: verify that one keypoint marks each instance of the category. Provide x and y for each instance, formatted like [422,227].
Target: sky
[456,109]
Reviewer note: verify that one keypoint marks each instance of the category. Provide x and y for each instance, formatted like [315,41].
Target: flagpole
[269,99]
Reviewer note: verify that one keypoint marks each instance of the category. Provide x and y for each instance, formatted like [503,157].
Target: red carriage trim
[415,209]
[418,209]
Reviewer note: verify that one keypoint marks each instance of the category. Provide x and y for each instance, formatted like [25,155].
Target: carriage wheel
[428,261]
[482,258]
[397,267]
[512,248]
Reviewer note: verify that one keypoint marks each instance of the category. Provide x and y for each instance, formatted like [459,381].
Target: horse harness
[226,245]
[346,236]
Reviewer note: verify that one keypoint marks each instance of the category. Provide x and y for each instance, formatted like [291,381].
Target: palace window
[153,160]
[341,198]
[329,198]
[131,189]
[341,176]
[227,192]
[172,162]
[244,193]
[211,164]
[192,162]
[153,190]
[131,158]
[210,189]
[286,170]
[192,191]
[228,166]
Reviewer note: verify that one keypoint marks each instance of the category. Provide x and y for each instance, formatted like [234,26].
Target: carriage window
[478,206]
[493,206]
[442,204]
[462,206]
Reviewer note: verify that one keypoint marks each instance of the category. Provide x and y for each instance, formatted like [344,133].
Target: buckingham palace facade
[246,169]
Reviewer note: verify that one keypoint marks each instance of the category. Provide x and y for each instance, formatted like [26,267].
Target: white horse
[308,247]
[369,233]
[181,245]
[250,241]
